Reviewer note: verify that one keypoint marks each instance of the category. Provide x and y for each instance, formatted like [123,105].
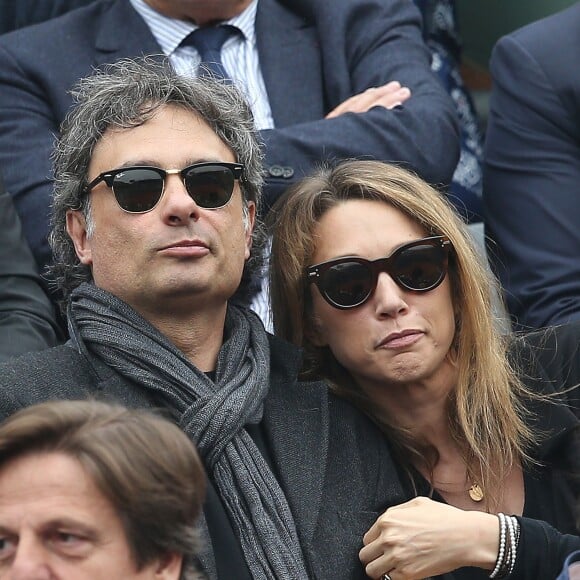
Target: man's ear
[76,227]
[249,222]
[168,567]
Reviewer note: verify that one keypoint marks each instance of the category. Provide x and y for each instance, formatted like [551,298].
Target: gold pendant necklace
[475,492]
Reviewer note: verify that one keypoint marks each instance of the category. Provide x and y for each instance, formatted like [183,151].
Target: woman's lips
[401,339]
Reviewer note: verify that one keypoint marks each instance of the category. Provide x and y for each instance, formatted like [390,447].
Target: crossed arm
[423,538]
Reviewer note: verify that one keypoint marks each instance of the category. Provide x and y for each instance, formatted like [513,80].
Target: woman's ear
[314,332]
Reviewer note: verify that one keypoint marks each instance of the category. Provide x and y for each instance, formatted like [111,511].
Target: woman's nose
[389,297]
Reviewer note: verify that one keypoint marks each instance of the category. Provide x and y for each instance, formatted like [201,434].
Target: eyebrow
[152,163]
[71,525]
[393,250]
[58,523]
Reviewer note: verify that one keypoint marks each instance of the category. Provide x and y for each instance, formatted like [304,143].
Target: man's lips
[186,249]
[185,244]
[401,339]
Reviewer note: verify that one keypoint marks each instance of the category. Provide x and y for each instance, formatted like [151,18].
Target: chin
[407,371]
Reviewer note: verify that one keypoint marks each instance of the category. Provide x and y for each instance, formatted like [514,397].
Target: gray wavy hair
[124,95]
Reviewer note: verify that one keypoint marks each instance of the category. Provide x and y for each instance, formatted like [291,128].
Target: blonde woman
[374,275]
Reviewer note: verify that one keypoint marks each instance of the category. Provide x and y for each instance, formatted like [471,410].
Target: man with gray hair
[158,179]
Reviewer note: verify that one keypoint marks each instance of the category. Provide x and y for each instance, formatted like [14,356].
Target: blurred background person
[375,276]
[532,170]
[96,491]
[442,35]
[27,317]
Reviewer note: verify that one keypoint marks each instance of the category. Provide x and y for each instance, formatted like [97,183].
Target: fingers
[385,518]
[422,538]
[387,96]
[377,553]
[375,559]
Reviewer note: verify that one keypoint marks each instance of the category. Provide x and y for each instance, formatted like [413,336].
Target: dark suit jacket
[532,169]
[551,361]
[311,62]
[27,320]
[19,13]
[332,463]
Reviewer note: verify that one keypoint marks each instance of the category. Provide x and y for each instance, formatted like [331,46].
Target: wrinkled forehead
[171,137]
[169,116]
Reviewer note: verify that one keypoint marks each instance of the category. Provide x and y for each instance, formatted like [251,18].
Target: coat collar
[551,416]
[296,424]
[554,423]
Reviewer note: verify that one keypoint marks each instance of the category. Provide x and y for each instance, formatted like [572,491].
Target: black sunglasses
[138,189]
[349,282]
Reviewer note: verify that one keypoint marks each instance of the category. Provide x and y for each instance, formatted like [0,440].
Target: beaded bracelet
[501,552]
[509,537]
[512,523]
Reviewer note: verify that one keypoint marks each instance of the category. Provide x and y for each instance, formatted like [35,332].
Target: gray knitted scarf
[212,414]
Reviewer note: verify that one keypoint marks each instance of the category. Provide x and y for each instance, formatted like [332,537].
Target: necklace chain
[474,491]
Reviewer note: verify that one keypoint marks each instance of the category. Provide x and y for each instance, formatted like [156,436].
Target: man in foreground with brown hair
[92,490]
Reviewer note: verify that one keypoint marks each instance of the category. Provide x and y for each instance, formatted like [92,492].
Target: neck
[201,12]
[199,335]
[420,407]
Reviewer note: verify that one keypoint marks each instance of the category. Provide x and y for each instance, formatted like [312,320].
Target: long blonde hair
[486,415]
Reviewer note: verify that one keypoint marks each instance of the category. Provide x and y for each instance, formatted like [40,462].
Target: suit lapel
[290,63]
[296,423]
[123,33]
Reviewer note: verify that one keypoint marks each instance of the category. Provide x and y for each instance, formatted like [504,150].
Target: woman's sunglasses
[348,282]
[138,189]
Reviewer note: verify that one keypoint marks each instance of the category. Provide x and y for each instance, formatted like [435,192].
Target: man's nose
[177,204]
[30,562]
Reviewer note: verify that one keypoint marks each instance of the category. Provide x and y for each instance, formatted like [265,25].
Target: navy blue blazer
[532,170]
[310,61]
[27,12]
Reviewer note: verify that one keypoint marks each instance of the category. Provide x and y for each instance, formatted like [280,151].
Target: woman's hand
[423,538]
